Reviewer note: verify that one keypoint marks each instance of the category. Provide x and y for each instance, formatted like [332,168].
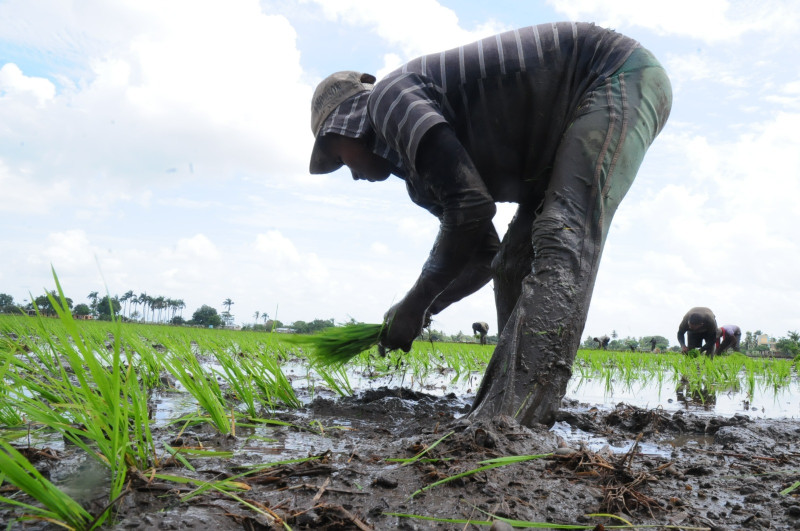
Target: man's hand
[684,349]
[403,324]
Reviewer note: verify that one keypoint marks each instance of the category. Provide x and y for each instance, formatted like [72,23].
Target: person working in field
[556,118]
[480,328]
[728,337]
[699,325]
[602,342]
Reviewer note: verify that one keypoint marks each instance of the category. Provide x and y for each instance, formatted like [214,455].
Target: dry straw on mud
[338,345]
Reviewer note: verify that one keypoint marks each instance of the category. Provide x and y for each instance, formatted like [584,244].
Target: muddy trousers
[545,270]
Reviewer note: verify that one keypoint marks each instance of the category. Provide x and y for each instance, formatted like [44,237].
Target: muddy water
[765,402]
[583,394]
[716,462]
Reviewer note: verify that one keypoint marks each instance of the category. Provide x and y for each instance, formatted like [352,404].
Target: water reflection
[703,397]
[760,400]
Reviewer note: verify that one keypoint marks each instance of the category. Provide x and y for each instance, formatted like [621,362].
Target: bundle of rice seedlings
[338,345]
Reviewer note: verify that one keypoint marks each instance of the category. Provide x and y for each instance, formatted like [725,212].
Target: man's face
[356,155]
[694,327]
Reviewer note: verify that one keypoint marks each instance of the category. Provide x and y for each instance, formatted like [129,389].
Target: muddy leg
[512,264]
[595,165]
[531,366]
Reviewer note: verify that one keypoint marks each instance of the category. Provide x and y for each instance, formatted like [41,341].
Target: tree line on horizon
[166,310]
[158,309]
[790,344]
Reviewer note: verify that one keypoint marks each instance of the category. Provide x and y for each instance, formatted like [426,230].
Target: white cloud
[685,69]
[69,250]
[198,247]
[186,91]
[280,254]
[380,248]
[14,85]
[400,24]
[274,244]
[418,229]
[709,20]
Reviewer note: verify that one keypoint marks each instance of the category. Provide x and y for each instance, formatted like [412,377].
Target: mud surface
[648,466]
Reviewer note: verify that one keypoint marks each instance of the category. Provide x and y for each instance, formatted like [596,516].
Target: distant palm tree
[127,299]
[257,314]
[134,302]
[227,303]
[174,305]
[144,300]
[93,296]
[159,303]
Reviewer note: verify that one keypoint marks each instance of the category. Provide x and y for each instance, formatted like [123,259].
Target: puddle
[594,442]
[766,402]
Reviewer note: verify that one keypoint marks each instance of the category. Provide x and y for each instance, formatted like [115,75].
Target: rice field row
[93,384]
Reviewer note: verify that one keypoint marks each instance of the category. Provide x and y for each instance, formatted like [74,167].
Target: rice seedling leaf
[338,345]
[790,488]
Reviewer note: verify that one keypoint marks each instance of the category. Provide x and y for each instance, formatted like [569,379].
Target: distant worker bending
[602,342]
[480,328]
[700,327]
[728,338]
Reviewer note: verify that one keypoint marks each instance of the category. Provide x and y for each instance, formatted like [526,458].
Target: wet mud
[649,467]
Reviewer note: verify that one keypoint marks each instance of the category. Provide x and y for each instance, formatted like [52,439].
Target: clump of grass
[338,345]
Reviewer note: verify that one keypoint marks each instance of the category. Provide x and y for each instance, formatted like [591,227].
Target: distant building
[770,342]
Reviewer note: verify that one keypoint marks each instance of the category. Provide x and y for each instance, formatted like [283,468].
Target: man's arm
[682,328]
[712,334]
[710,343]
[476,274]
[447,173]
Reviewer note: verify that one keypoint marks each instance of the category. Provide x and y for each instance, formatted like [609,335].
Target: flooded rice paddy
[658,440]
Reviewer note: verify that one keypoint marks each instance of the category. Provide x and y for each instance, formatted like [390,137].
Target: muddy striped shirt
[509,99]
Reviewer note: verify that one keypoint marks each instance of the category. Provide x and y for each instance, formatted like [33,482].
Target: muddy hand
[401,327]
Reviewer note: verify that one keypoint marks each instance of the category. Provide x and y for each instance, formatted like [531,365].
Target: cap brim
[320,162]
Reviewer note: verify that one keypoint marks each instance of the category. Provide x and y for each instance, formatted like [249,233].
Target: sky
[162,147]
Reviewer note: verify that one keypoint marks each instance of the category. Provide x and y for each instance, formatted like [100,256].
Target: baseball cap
[328,96]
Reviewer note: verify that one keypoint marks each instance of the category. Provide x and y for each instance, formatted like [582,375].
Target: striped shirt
[509,98]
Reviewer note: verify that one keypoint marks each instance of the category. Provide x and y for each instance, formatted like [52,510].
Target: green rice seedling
[488,464]
[238,379]
[417,457]
[100,407]
[791,488]
[262,366]
[145,359]
[272,380]
[183,364]
[9,414]
[58,508]
[335,377]
[338,345]
[542,525]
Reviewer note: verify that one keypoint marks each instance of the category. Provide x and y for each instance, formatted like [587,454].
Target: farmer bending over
[481,329]
[602,342]
[728,337]
[699,325]
[556,118]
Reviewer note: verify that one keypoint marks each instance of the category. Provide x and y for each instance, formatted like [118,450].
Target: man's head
[332,92]
[695,321]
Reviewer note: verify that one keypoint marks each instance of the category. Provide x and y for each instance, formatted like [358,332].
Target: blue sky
[162,147]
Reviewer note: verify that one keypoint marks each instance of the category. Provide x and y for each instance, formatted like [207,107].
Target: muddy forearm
[446,170]
[476,274]
[681,332]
